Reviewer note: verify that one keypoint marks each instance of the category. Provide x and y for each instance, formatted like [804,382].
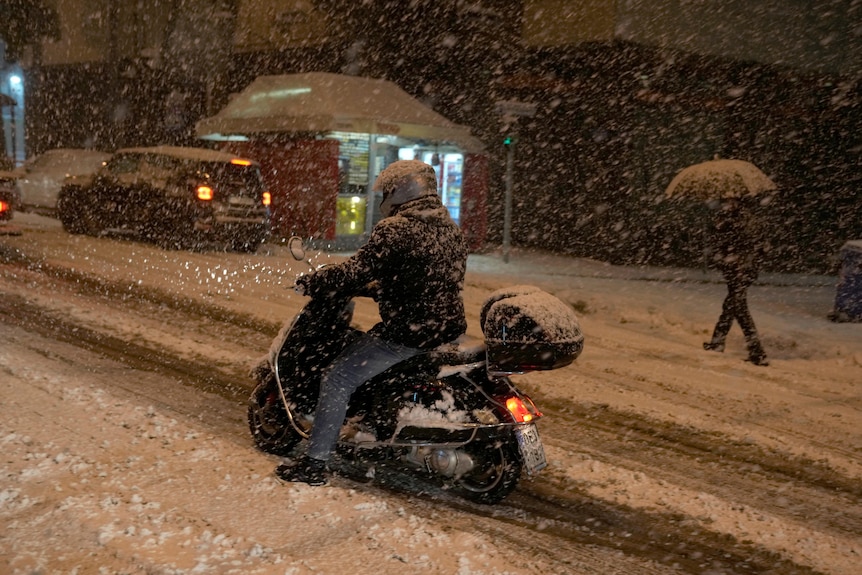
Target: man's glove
[302,284]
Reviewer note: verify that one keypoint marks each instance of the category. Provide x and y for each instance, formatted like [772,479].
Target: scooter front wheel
[268,421]
[495,475]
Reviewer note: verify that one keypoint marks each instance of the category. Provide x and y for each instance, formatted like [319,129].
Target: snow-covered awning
[322,102]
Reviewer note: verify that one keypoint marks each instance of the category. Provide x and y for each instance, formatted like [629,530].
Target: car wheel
[173,239]
[77,214]
[246,246]
[176,232]
[68,215]
[246,239]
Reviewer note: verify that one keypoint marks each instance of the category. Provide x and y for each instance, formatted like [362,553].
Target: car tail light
[204,193]
[522,408]
[4,207]
[267,198]
[240,162]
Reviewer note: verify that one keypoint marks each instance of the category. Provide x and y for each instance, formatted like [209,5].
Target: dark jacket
[418,258]
[738,246]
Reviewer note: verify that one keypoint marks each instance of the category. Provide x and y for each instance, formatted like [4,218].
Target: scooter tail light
[522,409]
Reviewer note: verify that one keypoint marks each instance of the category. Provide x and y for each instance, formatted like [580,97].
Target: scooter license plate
[530,445]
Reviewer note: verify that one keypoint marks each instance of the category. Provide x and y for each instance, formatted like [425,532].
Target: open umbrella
[7,100]
[719,179]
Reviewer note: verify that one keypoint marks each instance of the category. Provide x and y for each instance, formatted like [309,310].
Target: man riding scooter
[416,257]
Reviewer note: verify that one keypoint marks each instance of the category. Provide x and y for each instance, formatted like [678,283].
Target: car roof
[70,154]
[185,153]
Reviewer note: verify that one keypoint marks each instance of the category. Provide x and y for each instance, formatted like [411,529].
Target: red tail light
[267,198]
[204,193]
[4,207]
[523,410]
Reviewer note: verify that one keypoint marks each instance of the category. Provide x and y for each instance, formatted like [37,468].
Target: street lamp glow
[15,80]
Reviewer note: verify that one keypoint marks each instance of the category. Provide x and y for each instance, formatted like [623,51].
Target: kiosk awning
[323,102]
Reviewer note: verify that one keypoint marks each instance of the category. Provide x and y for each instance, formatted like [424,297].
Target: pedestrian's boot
[756,355]
[714,346]
[303,470]
[758,359]
[716,342]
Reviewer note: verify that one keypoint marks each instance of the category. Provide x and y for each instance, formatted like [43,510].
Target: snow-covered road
[664,458]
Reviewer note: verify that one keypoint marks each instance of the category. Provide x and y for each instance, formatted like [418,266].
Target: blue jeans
[363,359]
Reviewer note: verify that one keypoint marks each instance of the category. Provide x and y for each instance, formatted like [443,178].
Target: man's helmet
[403,181]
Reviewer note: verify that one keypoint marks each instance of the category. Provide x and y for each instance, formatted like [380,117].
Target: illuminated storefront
[322,139]
[449,168]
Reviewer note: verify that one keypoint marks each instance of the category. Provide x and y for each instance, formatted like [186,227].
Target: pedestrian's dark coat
[738,249]
[418,258]
[737,244]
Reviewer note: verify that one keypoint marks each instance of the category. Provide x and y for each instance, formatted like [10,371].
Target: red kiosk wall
[302,176]
[474,194]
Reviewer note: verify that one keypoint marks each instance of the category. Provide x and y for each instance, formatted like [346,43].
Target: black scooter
[449,414]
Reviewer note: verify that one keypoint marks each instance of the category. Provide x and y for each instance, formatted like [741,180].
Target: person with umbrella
[737,243]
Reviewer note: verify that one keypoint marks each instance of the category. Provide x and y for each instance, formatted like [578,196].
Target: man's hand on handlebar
[301,284]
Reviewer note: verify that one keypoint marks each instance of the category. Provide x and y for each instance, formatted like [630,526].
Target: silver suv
[44,175]
[177,197]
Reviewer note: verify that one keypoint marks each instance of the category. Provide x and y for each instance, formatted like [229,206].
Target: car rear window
[245,180]
[124,163]
[233,175]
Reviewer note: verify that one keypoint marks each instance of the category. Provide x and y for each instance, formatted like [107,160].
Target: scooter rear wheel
[495,475]
[268,422]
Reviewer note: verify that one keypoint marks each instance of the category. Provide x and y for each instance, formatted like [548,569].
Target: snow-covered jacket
[738,245]
[417,257]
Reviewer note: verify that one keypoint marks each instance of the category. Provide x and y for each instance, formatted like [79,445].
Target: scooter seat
[464,350]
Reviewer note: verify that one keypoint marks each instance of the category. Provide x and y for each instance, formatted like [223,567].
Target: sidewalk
[524,264]
[530,263]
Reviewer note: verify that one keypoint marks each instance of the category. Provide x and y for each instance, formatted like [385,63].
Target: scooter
[451,415]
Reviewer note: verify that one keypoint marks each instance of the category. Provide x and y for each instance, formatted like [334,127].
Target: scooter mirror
[297,249]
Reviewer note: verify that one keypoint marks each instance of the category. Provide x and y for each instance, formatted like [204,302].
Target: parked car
[8,195]
[178,197]
[42,176]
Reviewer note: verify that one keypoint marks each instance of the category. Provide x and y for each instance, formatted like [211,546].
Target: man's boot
[303,470]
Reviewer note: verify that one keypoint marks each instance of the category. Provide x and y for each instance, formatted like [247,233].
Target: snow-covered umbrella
[719,179]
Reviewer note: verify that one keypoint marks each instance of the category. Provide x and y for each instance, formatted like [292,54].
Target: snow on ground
[129,490]
[155,494]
